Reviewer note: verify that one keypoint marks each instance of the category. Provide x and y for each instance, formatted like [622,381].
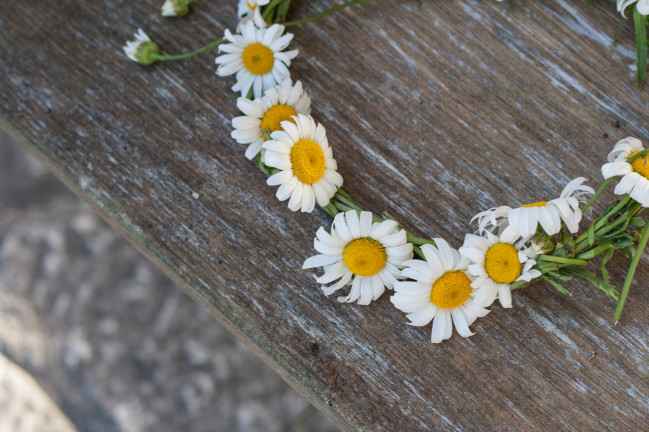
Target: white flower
[642,5]
[307,168]
[263,116]
[251,11]
[246,7]
[175,8]
[635,175]
[525,219]
[496,263]
[142,49]
[257,58]
[360,253]
[441,291]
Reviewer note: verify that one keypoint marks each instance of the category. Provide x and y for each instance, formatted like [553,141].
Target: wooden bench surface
[435,110]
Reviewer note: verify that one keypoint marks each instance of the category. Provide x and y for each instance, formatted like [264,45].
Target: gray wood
[435,111]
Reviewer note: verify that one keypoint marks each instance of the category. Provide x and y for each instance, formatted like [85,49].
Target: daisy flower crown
[363,255]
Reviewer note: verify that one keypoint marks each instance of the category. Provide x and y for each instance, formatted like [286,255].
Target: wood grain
[435,110]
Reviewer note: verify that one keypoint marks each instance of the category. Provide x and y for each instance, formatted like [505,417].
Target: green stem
[589,255]
[582,241]
[639,154]
[324,14]
[629,276]
[268,10]
[597,194]
[562,260]
[206,48]
[418,252]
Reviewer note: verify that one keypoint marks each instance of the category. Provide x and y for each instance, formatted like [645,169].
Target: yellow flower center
[274,116]
[249,5]
[451,290]
[258,59]
[307,161]
[364,256]
[502,264]
[536,204]
[641,165]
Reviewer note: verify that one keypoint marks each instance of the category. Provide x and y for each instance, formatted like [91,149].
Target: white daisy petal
[320,261]
[423,316]
[460,323]
[328,290]
[336,271]
[505,295]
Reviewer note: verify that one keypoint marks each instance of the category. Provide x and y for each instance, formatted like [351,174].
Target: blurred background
[94,338]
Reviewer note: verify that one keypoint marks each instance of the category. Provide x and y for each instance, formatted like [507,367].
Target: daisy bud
[176,8]
[542,244]
[141,50]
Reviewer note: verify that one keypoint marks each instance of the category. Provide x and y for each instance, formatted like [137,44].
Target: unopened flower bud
[175,8]
[141,50]
[542,243]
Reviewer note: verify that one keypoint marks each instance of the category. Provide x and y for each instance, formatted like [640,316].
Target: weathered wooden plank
[435,111]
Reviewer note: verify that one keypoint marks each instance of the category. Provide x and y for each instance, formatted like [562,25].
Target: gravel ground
[94,338]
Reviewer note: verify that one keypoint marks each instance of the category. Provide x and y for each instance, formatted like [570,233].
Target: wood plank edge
[302,384]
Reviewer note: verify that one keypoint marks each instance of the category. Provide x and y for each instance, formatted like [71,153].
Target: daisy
[257,58]
[642,6]
[441,291]
[142,49]
[251,11]
[635,175]
[360,253]
[246,7]
[263,116]
[307,168]
[525,219]
[496,263]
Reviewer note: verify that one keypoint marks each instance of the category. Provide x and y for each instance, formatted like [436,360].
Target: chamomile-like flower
[249,13]
[257,57]
[141,50]
[635,175]
[307,168]
[441,290]
[497,262]
[247,7]
[360,253]
[642,5]
[524,220]
[264,115]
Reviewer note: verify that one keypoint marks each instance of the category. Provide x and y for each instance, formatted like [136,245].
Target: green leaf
[590,277]
[641,44]
[562,260]
[559,276]
[637,221]
[557,286]
[591,235]
[605,261]
[624,240]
